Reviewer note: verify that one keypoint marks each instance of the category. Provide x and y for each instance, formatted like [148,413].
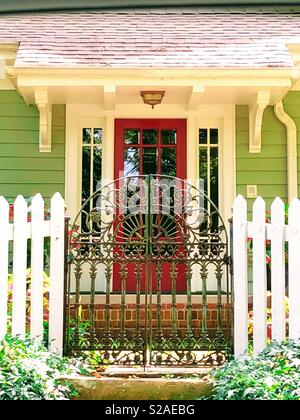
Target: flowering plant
[29,203]
[269,317]
[46,288]
[73,235]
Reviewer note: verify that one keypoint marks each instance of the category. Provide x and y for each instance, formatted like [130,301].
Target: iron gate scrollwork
[148,275]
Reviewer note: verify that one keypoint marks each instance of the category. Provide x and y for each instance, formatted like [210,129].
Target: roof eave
[19,6]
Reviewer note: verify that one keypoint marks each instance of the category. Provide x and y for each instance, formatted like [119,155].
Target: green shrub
[272,375]
[29,372]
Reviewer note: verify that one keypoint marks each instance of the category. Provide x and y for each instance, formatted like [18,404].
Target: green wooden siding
[23,168]
[267,169]
[292,107]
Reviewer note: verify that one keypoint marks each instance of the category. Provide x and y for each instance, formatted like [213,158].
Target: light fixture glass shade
[152,97]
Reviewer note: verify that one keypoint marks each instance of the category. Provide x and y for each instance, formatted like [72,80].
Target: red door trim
[181,172]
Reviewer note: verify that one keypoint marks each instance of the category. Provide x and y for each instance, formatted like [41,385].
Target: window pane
[131,136]
[168,136]
[97,168]
[149,161]
[150,136]
[214,182]
[202,136]
[86,135]
[86,174]
[131,161]
[97,135]
[168,162]
[214,175]
[214,138]
[203,167]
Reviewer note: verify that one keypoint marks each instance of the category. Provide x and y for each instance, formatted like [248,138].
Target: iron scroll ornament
[140,237]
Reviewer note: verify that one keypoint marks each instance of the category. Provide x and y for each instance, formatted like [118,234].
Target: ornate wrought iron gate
[148,275]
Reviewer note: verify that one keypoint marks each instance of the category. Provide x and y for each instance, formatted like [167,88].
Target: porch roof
[153,38]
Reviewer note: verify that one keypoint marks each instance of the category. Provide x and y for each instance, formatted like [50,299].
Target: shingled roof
[155,38]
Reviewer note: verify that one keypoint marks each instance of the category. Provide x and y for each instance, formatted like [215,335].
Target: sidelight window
[91,161]
[209,162]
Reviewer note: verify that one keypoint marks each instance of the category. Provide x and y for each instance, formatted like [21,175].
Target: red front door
[149,147]
[159,145]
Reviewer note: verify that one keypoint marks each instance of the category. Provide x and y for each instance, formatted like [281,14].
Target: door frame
[79,115]
[121,124]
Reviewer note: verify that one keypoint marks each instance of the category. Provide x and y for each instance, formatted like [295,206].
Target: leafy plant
[272,375]
[79,337]
[29,372]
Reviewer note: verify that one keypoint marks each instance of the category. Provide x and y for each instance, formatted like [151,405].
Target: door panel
[150,147]
[145,147]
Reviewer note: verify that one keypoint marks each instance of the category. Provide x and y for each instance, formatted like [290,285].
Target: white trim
[131,299]
[75,122]
[224,120]
[108,150]
[71,162]
[197,76]
[45,110]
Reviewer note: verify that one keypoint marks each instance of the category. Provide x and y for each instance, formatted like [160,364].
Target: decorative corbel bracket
[195,97]
[109,97]
[45,109]
[255,120]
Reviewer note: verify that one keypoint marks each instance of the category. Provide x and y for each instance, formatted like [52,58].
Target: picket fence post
[19,267]
[259,276]
[278,269]
[37,266]
[294,270]
[4,225]
[56,302]
[239,225]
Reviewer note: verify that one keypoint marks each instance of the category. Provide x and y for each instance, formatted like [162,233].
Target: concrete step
[151,384]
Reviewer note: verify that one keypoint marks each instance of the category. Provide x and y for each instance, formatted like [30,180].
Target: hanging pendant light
[152,97]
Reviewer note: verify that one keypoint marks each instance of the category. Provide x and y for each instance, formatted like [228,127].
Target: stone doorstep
[136,387]
[153,371]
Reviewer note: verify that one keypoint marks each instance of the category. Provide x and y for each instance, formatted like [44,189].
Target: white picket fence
[278,233]
[38,228]
[19,232]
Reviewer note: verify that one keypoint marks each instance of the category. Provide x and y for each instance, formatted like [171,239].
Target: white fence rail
[17,232]
[278,233]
